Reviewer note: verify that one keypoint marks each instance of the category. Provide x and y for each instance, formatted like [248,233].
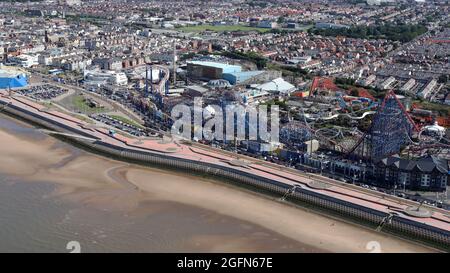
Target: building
[25,60]
[73,64]
[11,78]
[3,56]
[278,85]
[291,25]
[251,77]
[105,77]
[108,63]
[70,2]
[369,80]
[311,146]
[195,91]
[387,83]
[447,99]
[258,147]
[300,60]
[428,89]
[240,77]
[267,24]
[426,174]
[34,13]
[407,87]
[218,84]
[330,25]
[205,70]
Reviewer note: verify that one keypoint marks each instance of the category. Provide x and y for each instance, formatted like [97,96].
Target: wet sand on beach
[148,209]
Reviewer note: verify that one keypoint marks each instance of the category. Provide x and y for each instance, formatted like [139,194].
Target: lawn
[80,104]
[442,109]
[201,28]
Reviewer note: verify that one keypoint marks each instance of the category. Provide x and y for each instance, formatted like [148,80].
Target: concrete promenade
[378,210]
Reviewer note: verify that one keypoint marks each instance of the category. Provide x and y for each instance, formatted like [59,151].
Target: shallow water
[35,219]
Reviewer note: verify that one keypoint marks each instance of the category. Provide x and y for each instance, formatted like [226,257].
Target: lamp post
[321,166]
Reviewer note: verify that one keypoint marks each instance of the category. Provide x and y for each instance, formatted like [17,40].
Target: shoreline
[293,222]
[92,190]
[363,206]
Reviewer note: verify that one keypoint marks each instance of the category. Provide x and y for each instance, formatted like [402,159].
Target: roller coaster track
[347,115]
[422,144]
[390,94]
[318,134]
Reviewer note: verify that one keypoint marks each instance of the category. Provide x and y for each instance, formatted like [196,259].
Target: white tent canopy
[277,85]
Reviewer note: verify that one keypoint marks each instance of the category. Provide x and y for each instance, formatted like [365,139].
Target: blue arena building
[210,70]
[241,76]
[12,79]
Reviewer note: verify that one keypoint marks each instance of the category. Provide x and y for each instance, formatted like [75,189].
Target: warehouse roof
[217,65]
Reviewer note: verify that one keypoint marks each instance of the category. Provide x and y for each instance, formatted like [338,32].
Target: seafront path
[435,218]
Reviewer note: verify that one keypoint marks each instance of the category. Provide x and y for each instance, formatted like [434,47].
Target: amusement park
[351,136]
[368,141]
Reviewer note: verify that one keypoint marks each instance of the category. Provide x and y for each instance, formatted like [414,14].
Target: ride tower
[391,129]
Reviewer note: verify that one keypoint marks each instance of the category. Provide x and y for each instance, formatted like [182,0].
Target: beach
[170,211]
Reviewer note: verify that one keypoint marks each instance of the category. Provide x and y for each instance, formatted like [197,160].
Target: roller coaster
[161,84]
[390,131]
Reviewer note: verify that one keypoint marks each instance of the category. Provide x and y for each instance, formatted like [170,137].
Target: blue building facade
[239,77]
[8,80]
[210,70]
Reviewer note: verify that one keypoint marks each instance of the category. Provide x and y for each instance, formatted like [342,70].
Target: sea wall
[301,195]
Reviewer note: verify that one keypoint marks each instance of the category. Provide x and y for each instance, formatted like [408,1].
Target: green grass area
[126,120]
[401,32]
[201,28]
[52,106]
[289,70]
[442,109]
[79,103]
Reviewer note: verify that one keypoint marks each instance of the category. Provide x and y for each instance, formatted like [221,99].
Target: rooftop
[216,65]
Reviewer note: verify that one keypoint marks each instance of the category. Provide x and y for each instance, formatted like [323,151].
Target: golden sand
[95,181]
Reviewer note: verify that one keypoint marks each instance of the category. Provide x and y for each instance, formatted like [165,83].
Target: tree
[354,92]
